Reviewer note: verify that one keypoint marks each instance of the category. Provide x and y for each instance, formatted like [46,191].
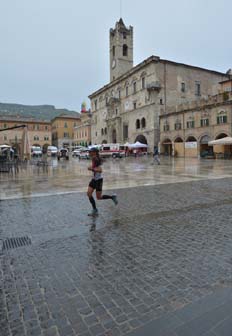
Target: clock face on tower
[113,63]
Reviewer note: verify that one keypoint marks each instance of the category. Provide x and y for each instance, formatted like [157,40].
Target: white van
[52,151]
[112,150]
[36,151]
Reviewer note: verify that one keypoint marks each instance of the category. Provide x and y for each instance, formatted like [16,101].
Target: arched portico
[166,147]
[45,148]
[141,138]
[204,148]
[179,147]
[222,151]
[191,147]
[221,136]
[17,149]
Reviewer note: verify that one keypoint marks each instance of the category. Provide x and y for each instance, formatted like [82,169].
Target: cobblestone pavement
[164,247]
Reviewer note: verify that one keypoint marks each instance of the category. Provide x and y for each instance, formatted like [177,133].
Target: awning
[223,141]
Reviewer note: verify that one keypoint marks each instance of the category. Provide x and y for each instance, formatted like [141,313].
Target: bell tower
[121,50]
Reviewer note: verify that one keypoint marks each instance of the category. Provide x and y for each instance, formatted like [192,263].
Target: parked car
[36,151]
[77,151]
[52,151]
[84,154]
[63,154]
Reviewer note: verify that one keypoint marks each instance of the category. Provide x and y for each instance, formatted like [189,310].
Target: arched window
[113,51]
[143,83]
[125,50]
[143,122]
[102,131]
[166,126]
[222,117]
[137,124]
[134,87]
[127,91]
[105,131]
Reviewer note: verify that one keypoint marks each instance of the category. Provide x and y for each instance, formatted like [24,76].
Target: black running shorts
[96,184]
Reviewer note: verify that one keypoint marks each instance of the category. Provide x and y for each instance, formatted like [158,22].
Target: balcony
[154,86]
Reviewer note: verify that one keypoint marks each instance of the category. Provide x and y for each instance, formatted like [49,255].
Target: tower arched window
[125,50]
[113,51]
[137,124]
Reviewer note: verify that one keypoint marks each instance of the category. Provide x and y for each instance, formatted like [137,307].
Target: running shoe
[93,213]
[115,199]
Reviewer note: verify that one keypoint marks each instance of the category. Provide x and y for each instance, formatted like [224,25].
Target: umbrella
[224,141]
[4,146]
[7,148]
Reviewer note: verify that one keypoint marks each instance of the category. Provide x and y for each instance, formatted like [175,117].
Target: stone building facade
[185,130]
[128,108]
[39,132]
[82,132]
[63,129]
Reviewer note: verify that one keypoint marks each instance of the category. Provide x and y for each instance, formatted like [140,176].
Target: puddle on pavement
[72,176]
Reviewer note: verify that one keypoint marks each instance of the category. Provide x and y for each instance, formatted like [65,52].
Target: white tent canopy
[224,141]
[137,144]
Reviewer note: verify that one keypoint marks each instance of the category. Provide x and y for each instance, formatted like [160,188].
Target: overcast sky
[56,51]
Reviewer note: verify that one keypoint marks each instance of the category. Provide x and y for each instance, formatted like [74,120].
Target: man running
[97,182]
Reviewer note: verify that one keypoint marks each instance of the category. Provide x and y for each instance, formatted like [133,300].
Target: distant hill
[43,112]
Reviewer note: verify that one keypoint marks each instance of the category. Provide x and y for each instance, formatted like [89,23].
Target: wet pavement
[160,263]
[72,176]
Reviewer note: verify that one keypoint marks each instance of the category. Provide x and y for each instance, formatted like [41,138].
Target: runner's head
[94,152]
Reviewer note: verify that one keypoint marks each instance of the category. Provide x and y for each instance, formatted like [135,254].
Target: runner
[97,182]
